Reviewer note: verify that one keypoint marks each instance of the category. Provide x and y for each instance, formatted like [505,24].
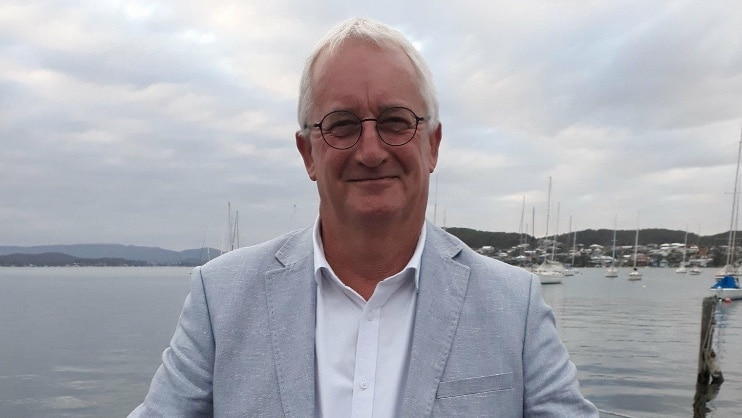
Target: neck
[362,257]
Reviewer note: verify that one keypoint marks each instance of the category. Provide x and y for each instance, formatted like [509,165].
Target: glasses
[342,129]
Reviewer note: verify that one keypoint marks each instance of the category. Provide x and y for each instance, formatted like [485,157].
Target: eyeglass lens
[342,129]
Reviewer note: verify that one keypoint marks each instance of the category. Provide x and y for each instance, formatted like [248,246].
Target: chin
[377,213]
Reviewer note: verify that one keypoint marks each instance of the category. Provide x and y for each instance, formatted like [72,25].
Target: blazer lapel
[442,288]
[291,297]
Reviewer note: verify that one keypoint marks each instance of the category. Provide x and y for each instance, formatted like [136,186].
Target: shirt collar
[320,262]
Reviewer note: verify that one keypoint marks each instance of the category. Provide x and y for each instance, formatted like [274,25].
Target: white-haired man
[372,312]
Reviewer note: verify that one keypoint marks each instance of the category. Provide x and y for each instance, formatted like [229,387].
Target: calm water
[635,343]
[85,342]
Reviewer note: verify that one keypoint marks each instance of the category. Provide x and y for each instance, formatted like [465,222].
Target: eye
[341,124]
[396,120]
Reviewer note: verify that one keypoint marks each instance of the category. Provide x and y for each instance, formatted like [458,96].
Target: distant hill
[129,253]
[477,239]
[115,254]
[60,260]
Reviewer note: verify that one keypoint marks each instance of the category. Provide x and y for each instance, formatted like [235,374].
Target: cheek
[327,166]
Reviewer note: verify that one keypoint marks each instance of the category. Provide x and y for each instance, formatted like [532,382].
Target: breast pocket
[475,385]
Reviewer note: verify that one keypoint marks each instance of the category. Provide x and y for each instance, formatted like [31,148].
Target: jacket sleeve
[550,383]
[182,385]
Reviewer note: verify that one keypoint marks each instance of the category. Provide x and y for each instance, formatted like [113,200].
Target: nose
[370,150]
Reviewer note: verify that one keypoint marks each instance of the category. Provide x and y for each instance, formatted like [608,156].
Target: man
[373,312]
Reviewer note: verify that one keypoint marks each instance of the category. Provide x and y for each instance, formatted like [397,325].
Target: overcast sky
[136,122]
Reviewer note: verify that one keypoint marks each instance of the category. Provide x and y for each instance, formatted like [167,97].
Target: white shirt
[363,347]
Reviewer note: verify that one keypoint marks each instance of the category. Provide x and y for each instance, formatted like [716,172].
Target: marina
[85,341]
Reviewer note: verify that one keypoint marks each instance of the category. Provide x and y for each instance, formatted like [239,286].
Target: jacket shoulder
[478,264]
[276,253]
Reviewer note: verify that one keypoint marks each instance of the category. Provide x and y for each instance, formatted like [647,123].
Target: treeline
[478,239]
[503,240]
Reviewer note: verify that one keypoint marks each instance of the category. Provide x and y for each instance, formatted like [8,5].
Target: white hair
[377,33]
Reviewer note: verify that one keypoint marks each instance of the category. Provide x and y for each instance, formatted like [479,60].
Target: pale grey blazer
[484,343]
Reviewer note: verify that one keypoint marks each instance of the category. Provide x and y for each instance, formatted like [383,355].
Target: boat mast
[236,232]
[231,238]
[556,235]
[226,236]
[685,246]
[548,211]
[636,240]
[735,209]
[522,215]
[574,243]
[615,225]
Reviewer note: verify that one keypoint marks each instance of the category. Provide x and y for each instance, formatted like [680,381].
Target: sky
[139,122]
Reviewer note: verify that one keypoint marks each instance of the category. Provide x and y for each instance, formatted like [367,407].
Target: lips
[370,179]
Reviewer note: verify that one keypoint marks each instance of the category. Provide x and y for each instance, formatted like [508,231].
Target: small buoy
[727,300]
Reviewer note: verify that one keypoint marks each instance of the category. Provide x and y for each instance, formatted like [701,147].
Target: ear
[304,145]
[434,143]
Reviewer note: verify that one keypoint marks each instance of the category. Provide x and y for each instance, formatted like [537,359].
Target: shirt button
[364,385]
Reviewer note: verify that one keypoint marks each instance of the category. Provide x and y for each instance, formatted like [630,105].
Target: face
[371,182]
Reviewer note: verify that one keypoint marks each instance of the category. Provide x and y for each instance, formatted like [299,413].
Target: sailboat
[550,271]
[635,274]
[727,285]
[730,268]
[682,269]
[570,271]
[612,270]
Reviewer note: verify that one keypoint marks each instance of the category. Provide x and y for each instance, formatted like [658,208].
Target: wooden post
[707,310]
[708,368]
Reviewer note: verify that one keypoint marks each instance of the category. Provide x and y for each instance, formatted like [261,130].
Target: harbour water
[85,342]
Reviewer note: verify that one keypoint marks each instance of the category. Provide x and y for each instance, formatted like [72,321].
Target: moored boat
[612,270]
[727,288]
[550,272]
[731,269]
[682,269]
[635,273]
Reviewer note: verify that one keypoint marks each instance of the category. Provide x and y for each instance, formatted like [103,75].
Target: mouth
[371,179]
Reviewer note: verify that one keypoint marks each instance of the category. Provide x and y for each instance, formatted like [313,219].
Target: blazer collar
[291,300]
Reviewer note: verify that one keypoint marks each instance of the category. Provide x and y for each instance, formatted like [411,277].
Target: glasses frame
[318,125]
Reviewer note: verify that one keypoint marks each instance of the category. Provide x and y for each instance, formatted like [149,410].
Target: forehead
[360,72]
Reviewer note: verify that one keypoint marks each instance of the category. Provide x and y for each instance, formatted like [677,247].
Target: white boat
[731,294]
[550,271]
[635,273]
[612,270]
[727,288]
[694,270]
